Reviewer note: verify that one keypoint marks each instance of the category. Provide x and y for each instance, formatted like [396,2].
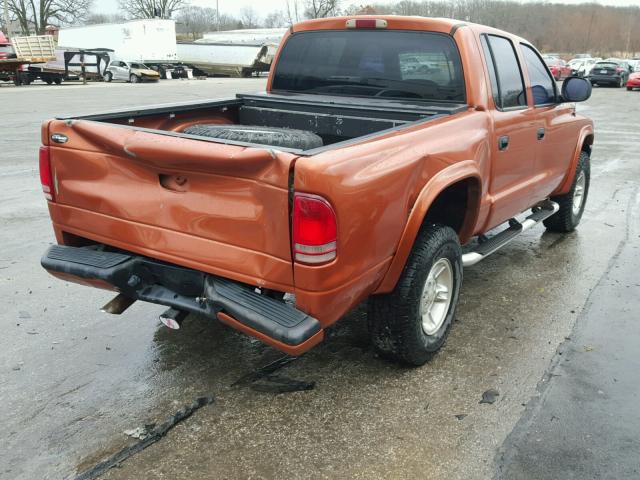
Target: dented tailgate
[218,208]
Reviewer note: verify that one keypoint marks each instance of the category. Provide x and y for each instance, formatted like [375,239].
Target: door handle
[540,133]
[503,142]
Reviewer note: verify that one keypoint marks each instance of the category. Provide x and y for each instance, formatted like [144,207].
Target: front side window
[420,66]
[510,83]
[542,85]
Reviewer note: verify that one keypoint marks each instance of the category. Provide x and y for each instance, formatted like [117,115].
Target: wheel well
[456,206]
[586,144]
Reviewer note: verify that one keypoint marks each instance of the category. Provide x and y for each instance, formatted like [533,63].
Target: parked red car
[559,68]
[633,81]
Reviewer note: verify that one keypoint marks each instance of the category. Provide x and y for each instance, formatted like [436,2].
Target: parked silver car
[130,72]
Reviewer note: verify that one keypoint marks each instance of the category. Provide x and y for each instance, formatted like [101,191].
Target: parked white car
[581,67]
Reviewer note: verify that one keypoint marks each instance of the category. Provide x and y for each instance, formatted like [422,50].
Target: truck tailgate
[218,208]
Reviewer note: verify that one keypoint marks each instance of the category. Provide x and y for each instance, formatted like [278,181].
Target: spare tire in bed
[277,137]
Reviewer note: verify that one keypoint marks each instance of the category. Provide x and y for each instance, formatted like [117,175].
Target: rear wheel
[108,77]
[572,203]
[412,323]
[57,80]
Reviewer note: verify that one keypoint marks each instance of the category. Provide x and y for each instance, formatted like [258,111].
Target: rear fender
[586,137]
[436,185]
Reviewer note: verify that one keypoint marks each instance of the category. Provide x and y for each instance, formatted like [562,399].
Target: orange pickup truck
[381,145]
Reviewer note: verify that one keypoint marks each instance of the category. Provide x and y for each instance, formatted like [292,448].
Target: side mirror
[576,89]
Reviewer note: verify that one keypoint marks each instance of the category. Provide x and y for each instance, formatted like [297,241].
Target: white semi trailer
[152,42]
[235,53]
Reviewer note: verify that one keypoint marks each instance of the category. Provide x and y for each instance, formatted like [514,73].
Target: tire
[629,89]
[568,217]
[48,80]
[277,137]
[108,77]
[134,79]
[57,80]
[396,319]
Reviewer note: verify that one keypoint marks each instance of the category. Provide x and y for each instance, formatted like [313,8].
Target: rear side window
[421,66]
[542,85]
[509,81]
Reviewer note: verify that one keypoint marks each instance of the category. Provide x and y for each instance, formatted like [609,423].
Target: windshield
[138,65]
[372,63]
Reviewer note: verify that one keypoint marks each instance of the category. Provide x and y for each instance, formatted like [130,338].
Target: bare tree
[275,20]
[34,15]
[293,11]
[321,8]
[96,18]
[196,20]
[249,18]
[354,9]
[150,8]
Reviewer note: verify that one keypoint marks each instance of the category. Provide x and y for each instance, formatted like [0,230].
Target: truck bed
[133,180]
[338,120]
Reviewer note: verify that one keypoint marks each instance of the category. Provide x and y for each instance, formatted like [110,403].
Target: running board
[541,212]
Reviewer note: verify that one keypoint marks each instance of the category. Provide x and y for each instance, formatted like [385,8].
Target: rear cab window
[507,81]
[422,66]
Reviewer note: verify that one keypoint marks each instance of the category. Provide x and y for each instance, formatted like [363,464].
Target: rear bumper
[613,79]
[141,278]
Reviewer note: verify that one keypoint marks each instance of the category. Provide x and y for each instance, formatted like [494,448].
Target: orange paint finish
[294,350]
[95,283]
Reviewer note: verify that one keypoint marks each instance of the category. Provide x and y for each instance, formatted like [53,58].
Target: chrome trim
[471,258]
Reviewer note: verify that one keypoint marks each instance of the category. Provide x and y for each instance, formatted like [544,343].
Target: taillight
[618,69]
[366,23]
[314,229]
[46,178]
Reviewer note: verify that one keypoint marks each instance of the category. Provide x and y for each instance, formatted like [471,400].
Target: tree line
[591,27]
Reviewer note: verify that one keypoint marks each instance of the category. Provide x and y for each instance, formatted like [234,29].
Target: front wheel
[572,203]
[410,324]
[134,78]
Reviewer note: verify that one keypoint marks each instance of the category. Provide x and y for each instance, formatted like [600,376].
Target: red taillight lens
[366,23]
[46,178]
[618,69]
[314,229]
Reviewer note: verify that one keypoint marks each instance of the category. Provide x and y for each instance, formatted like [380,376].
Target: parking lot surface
[74,380]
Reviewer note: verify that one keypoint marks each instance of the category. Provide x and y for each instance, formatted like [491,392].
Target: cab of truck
[6,50]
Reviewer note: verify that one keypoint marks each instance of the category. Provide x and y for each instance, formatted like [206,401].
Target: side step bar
[184,290]
[541,212]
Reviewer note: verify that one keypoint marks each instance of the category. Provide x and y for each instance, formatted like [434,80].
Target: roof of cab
[394,22]
[399,22]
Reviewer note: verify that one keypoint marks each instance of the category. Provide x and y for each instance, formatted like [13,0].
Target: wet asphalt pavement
[549,322]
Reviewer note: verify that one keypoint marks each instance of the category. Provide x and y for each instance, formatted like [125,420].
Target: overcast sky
[265,6]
